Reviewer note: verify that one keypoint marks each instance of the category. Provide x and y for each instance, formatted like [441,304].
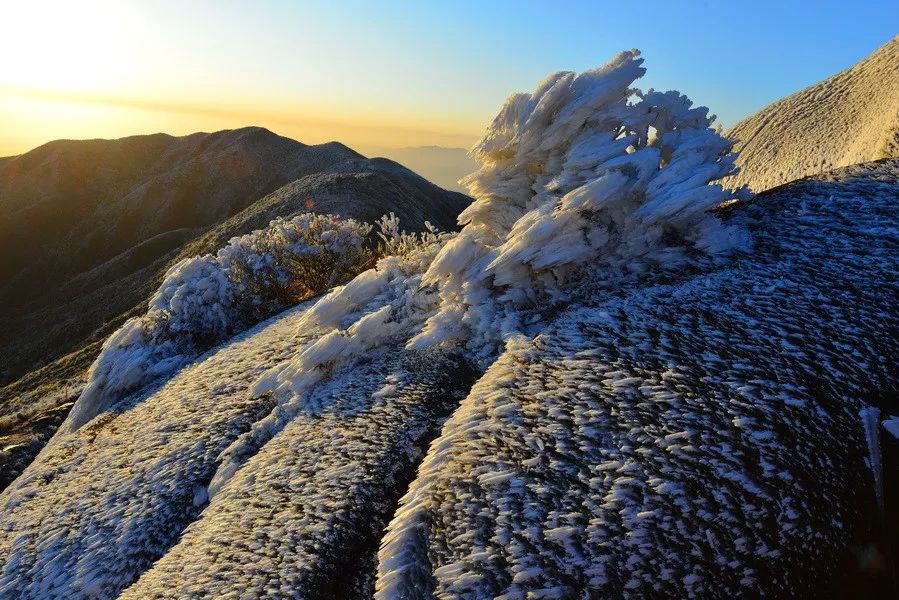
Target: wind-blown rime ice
[585,173]
[572,175]
[204,300]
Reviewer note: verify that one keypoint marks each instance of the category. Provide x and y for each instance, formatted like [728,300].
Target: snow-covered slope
[304,516]
[696,435]
[694,439]
[849,118]
[671,401]
[99,507]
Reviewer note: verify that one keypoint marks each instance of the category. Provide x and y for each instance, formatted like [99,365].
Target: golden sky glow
[31,117]
[99,68]
[380,74]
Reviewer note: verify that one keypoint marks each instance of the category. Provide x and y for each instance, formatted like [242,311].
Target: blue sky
[401,73]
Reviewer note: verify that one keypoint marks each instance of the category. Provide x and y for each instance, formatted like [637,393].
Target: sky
[379,75]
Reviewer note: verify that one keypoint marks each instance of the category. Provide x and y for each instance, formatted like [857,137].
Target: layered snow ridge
[851,117]
[641,383]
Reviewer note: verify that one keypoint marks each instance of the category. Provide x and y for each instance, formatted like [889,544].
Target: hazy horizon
[316,72]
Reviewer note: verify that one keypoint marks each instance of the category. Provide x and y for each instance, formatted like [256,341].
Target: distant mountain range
[444,166]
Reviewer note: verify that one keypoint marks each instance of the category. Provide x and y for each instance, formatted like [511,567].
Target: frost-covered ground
[671,401]
[98,507]
[701,439]
[304,516]
[849,118]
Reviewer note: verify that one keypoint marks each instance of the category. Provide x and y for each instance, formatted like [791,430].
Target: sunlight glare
[66,46]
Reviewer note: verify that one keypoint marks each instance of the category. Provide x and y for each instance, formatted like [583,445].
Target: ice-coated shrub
[203,300]
[586,177]
[210,297]
[396,242]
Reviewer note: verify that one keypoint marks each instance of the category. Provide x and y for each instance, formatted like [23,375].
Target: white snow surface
[851,117]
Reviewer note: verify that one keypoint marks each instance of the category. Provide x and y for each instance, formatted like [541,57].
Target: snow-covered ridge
[851,117]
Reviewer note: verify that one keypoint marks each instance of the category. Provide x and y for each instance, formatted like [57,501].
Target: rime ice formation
[849,118]
[306,513]
[669,401]
[206,299]
[585,173]
[573,174]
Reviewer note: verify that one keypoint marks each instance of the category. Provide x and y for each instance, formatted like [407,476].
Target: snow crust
[321,490]
[100,505]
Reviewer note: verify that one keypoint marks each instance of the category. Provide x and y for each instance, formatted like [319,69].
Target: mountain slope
[70,207]
[849,118]
[87,227]
[97,198]
[683,440]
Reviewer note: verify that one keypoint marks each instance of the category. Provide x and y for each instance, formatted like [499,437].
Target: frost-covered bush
[585,177]
[208,298]
[204,300]
[396,242]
